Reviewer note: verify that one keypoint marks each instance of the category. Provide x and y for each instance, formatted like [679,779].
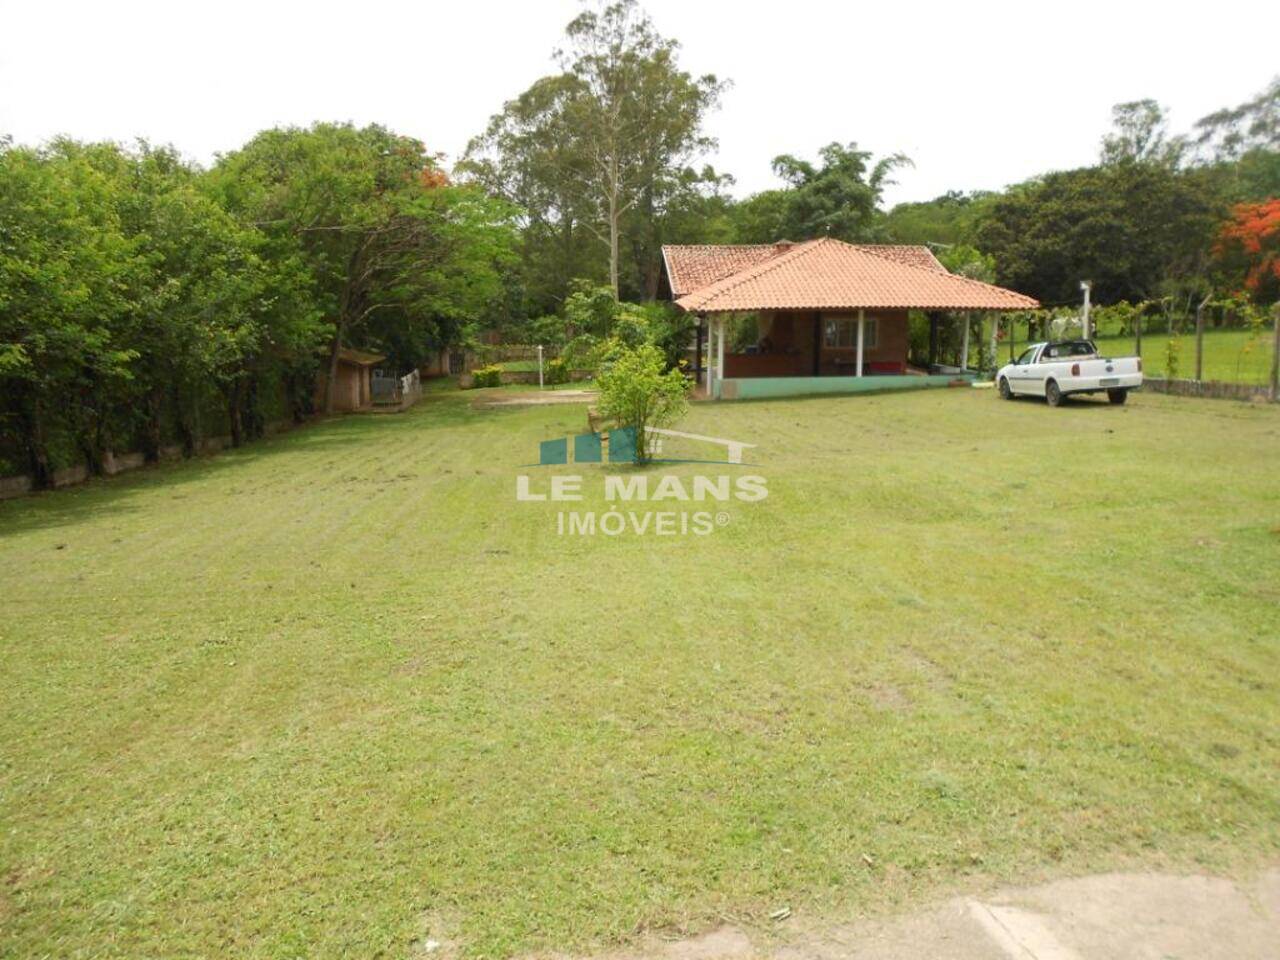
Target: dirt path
[536,398]
[1140,916]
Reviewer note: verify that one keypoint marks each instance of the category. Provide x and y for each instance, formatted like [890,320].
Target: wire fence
[1230,355]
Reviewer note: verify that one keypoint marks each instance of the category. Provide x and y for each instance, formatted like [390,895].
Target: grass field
[1231,355]
[337,693]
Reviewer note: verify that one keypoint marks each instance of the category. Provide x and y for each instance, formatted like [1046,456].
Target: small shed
[353,385]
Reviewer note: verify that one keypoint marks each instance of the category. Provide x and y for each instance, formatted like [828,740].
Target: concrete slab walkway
[1120,916]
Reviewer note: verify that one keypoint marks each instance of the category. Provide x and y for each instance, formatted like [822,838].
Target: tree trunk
[255,425]
[1200,337]
[233,413]
[37,451]
[89,436]
[334,350]
[188,430]
[345,310]
[613,245]
[151,434]
[295,387]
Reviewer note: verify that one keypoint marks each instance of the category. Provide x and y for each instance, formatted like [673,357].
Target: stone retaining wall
[113,463]
[1214,389]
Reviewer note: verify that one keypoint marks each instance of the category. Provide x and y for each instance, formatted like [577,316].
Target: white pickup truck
[1063,367]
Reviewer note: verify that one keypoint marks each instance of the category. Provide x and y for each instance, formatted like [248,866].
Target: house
[353,385]
[831,317]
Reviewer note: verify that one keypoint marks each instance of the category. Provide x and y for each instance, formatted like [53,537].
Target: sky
[979,95]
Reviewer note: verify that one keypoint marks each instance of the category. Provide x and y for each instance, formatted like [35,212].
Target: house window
[842,333]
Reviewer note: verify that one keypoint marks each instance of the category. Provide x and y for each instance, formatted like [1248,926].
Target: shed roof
[361,358]
[825,274]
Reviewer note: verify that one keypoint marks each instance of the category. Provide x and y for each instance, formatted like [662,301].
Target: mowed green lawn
[338,693]
[1235,356]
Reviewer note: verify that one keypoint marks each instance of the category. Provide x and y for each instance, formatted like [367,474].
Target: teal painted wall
[760,388]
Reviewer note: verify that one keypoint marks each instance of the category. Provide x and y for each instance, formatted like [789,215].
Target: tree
[637,390]
[1140,135]
[947,219]
[609,138]
[378,226]
[839,198]
[1230,133]
[1127,227]
[1248,249]
[65,269]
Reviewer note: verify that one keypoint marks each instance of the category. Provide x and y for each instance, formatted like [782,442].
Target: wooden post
[964,344]
[862,321]
[1013,335]
[720,357]
[1200,337]
[1275,353]
[933,340]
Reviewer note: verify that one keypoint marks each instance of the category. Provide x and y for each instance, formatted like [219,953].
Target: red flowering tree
[1249,249]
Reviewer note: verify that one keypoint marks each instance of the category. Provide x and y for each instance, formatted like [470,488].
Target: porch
[789,353]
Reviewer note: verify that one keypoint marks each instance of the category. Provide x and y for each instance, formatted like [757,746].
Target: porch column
[862,323]
[698,378]
[710,361]
[933,340]
[964,348]
[720,357]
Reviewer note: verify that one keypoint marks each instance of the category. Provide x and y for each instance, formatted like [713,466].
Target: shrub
[490,376]
[1172,351]
[637,390]
[556,371]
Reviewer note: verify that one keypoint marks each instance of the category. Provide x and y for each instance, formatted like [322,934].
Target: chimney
[782,246]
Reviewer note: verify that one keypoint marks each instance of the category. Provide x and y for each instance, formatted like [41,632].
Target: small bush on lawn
[490,376]
[557,371]
[637,390]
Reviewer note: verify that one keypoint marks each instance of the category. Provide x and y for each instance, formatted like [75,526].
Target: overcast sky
[979,95]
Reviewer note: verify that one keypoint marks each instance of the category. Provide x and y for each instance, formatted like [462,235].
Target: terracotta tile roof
[691,268]
[833,275]
[910,254]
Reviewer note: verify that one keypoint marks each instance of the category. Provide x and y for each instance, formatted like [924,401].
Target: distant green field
[1230,355]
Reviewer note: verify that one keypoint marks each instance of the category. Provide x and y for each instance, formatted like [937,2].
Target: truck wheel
[1118,397]
[1005,392]
[1052,393]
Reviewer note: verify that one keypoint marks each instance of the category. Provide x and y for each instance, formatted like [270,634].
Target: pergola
[828,311]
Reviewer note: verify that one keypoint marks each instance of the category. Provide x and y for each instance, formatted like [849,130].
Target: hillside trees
[1128,227]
